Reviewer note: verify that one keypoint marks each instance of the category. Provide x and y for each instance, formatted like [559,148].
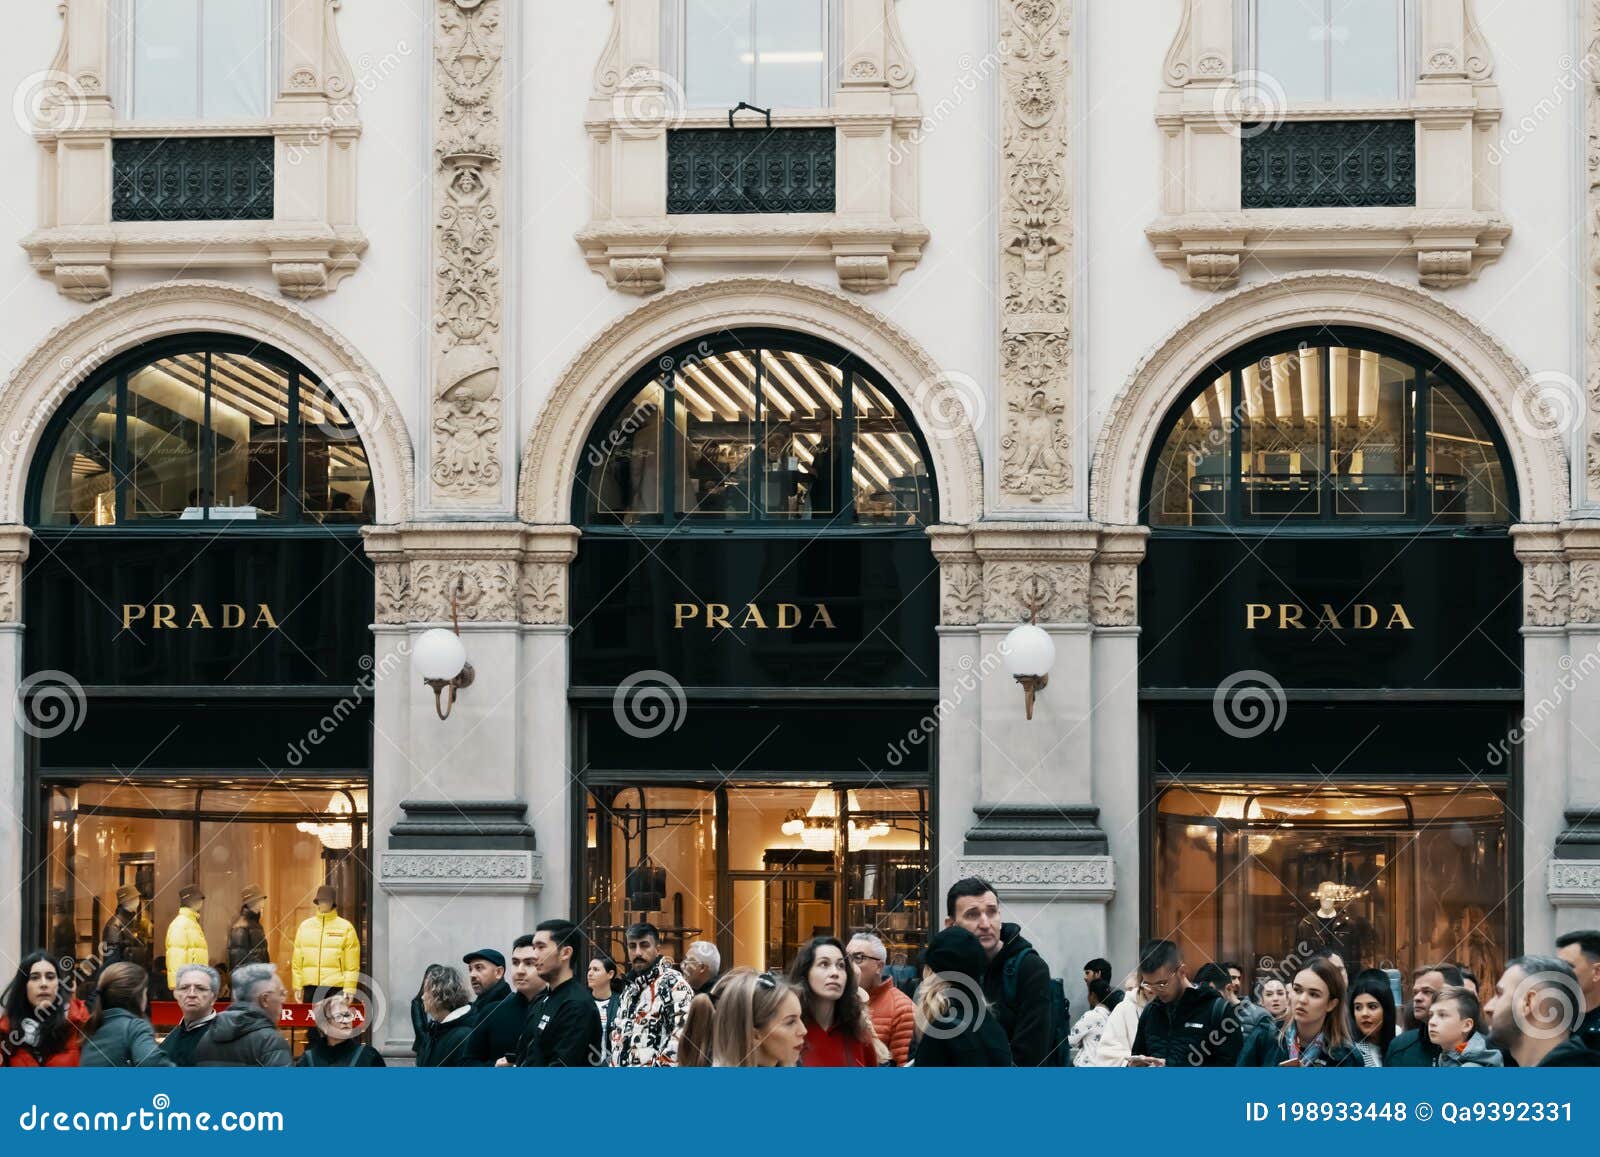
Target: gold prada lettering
[753,616]
[1327,617]
[198,617]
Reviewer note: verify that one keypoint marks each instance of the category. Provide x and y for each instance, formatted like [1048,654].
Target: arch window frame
[1327,521]
[291,518]
[669,518]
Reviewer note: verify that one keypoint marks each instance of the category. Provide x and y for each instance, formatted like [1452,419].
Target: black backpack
[1060,1053]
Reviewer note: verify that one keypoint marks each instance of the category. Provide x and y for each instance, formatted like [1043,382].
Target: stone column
[13,753]
[1561,800]
[459,864]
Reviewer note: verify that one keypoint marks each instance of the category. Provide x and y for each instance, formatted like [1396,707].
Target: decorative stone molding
[466,407]
[1087,879]
[1591,41]
[490,573]
[553,457]
[1574,883]
[48,374]
[1324,299]
[1561,574]
[14,543]
[458,872]
[872,238]
[1073,573]
[1036,381]
[311,244]
[1204,233]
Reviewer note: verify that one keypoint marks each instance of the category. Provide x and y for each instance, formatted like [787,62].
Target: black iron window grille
[751,170]
[192,179]
[1326,164]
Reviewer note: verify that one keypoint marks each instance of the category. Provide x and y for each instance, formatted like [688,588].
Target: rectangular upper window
[771,53]
[1329,51]
[197,60]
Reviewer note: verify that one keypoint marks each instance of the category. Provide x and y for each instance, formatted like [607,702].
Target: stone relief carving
[1091,874]
[1059,591]
[1585,592]
[1114,595]
[461,871]
[469,46]
[544,593]
[1036,234]
[962,602]
[1544,589]
[1574,882]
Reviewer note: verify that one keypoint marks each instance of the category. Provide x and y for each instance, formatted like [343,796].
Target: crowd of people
[984,998]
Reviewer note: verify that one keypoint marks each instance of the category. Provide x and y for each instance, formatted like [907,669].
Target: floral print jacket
[650,1018]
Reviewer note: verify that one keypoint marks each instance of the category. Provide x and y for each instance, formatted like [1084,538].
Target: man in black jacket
[1533,1014]
[1016,982]
[486,973]
[1414,1049]
[563,1027]
[1185,1025]
[1582,951]
[496,1030]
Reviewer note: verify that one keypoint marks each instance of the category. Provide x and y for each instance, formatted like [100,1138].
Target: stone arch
[931,397]
[47,376]
[1377,303]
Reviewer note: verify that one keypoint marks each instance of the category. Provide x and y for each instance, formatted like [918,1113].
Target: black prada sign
[1340,613]
[756,612]
[206,610]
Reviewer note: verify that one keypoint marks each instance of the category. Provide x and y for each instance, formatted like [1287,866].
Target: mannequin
[125,939]
[1332,927]
[327,952]
[186,939]
[247,940]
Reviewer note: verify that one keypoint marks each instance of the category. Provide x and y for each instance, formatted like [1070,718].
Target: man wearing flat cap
[247,940]
[125,939]
[497,1024]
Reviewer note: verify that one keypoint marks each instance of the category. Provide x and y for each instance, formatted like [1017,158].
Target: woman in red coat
[42,1024]
[838,1027]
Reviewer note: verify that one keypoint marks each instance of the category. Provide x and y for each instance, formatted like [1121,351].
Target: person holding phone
[1316,1033]
[1185,1025]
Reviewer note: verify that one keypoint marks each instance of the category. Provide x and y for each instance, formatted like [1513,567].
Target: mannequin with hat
[186,940]
[125,939]
[327,952]
[247,940]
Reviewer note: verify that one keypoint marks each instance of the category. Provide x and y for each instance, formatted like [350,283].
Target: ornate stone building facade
[905,268]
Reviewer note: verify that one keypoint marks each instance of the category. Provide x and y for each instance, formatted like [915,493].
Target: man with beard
[1414,1049]
[486,970]
[655,1005]
[1534,1012]
[495,1029]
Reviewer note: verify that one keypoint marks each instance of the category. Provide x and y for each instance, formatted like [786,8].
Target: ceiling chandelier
[815,826]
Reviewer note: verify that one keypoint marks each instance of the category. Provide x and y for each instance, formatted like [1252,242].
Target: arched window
[756,427]
[203,430]
[1331,428]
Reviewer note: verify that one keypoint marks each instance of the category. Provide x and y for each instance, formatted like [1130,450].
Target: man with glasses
[196,993]
[894,1017]
[1185,1025]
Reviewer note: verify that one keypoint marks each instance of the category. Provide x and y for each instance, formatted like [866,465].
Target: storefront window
[1326,430]
[205,434]
[1389,875]
[756,431]
[759,870]
[158,837]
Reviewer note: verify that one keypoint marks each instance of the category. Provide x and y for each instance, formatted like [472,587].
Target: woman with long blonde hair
[757,1023]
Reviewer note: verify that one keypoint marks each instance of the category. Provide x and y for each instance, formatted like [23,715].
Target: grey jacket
[1477,1055]
[242,1038]
[123,1041]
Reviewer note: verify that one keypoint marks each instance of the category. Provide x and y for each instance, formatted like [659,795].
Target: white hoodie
[1116,1042]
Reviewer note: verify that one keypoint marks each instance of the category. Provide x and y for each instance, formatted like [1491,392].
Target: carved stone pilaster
[960,576]
[1546,583]
[466,407]
[1114,585]
[486,573]
[1035,253]
[1591,41]
[14,542]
